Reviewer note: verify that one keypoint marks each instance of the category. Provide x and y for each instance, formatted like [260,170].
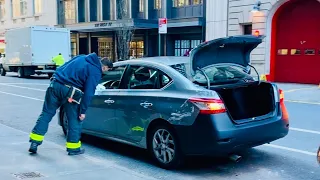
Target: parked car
[205,104]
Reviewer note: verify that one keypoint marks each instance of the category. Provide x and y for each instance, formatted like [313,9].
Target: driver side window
[111,79]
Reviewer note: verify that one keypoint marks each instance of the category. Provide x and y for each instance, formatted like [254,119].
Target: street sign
[163,25]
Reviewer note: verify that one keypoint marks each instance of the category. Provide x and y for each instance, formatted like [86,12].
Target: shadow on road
[193,165]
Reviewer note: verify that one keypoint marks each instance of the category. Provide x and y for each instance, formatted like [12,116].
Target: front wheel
[164,147]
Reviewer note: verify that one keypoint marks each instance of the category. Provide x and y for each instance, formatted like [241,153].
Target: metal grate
[27,175]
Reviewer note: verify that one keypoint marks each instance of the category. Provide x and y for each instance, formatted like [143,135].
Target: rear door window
[143,77]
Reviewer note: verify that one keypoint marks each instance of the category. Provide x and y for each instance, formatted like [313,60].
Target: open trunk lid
[233,49]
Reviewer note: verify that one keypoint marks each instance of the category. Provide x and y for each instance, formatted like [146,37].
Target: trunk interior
[248,101]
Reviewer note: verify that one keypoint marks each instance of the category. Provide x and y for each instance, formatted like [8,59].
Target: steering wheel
[115,84]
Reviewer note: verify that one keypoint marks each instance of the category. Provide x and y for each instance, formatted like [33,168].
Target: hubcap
[163,146]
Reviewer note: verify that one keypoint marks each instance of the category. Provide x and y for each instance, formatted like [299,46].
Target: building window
[141,5]
[181,3]
[136,49]
[105,47]
[247,29]
[157,4]
[93,10]
[181,47]
[37,5]
[196,2]
[19,8]
[2,9]
[70,11]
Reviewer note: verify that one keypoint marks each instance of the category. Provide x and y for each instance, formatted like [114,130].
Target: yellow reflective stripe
[36,137]
[73,145]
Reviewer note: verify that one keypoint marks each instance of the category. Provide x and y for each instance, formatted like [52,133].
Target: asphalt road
[293,157]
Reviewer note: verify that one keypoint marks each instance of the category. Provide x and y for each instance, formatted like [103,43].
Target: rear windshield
[217,74]
[223,74]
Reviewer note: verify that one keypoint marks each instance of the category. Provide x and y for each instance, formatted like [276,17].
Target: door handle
[109,101]
[146,105]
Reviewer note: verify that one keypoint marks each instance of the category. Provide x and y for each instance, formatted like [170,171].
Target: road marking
[291,149]
[298,89]
[22,87]
[21,96]
[303,102]
[305,130]
[28,83]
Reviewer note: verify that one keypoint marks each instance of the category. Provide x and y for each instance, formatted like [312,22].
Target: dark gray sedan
[207,104]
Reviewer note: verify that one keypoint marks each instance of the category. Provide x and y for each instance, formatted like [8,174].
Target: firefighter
[72,87]
[58,60]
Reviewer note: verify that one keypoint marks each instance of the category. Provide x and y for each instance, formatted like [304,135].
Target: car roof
[165,60]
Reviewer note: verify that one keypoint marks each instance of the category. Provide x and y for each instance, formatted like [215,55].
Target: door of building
[298,43]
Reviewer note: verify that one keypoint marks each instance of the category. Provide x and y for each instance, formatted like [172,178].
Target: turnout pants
[57,95]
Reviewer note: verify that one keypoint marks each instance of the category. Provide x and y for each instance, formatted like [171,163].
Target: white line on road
[291,149]
[41,84]
[304,130]
[298,89]
[21,96]
[22,87]
[303,102]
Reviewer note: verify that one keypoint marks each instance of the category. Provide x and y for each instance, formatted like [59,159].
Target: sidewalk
[52,162]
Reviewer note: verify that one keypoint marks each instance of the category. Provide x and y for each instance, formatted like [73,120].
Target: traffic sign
[163,25]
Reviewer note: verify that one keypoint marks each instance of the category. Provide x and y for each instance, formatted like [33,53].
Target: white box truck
[30,50]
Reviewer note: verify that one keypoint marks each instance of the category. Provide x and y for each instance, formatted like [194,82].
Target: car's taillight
[281,95]
[284,111]
[209,106]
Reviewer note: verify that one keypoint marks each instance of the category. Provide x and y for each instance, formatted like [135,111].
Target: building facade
[94,24]
[290,51]
[23,13]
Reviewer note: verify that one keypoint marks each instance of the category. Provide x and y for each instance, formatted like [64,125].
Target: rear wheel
[2,71]
[50,75]
[164,147]
[20,72]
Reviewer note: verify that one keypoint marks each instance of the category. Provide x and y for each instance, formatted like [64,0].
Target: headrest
[142,74]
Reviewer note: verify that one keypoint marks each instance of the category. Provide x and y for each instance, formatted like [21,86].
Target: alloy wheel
[163,146]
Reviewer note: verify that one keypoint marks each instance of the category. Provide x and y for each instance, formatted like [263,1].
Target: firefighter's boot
[33,147]
[73,153]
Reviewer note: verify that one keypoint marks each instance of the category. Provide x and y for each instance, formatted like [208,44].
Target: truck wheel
[50,75]
[20,72]
[2,71]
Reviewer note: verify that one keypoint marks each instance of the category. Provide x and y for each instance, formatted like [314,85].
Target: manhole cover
[27,175]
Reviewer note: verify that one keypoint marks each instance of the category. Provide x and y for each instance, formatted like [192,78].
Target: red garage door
[297,57]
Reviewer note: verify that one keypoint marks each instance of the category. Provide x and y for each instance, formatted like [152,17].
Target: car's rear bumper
[217,135]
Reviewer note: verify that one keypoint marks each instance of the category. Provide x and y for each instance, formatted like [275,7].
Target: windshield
[219,74]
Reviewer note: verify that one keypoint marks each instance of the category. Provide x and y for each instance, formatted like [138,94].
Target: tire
[2,71]
[172,146]
[20,72]
[50,75]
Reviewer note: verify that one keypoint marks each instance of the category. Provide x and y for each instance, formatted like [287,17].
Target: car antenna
[207,78]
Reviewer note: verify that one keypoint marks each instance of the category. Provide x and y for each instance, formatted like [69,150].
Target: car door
[136,99]
[101,114]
